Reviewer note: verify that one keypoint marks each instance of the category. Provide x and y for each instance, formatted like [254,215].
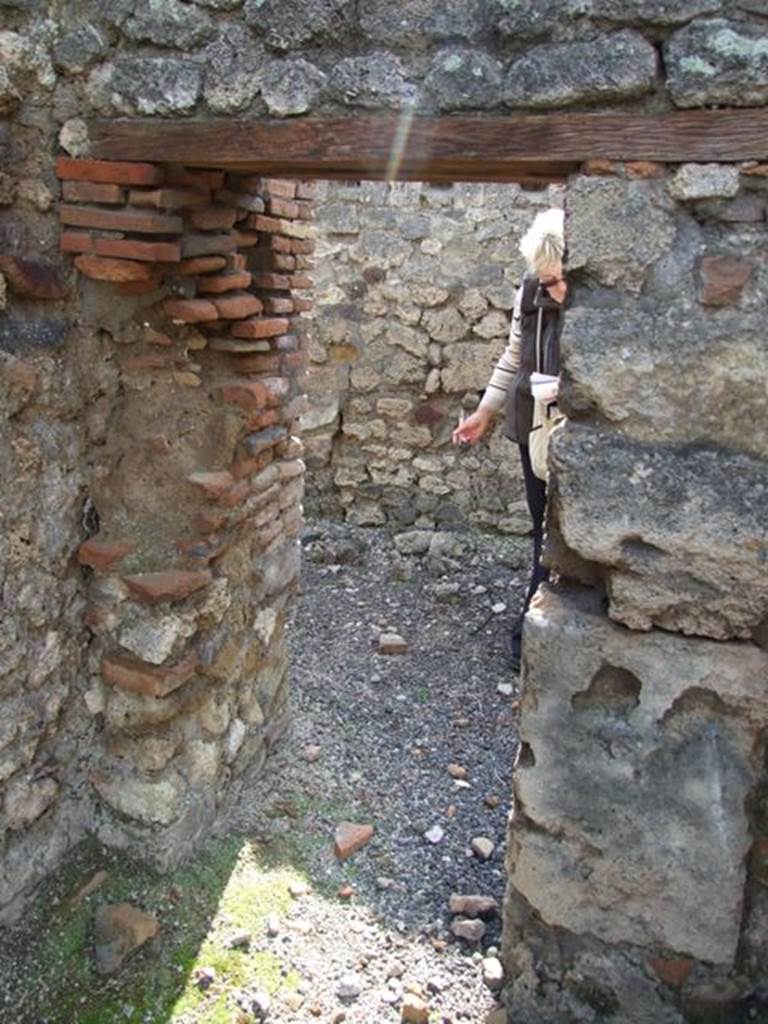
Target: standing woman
[543,289]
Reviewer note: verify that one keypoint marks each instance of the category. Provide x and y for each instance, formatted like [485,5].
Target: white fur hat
[543,244]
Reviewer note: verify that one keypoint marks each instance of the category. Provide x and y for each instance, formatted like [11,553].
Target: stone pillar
[637,848]
[195,503]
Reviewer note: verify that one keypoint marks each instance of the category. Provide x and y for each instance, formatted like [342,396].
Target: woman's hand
[470,430]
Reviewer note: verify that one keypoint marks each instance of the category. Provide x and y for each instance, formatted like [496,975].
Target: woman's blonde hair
[543,244]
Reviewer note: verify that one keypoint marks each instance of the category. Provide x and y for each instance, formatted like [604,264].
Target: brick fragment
[245,466]
[306,211]
[280,282]
[137,676]
[76,241]
[758,170]
[304,263]
[92,192]
[141,221]
[260,327]
[208,245]
[269,225]
[672,971]
[237,494]
[103,268]
[139,287]
[153,337]
[34,279]
[170,198]
[111,171]
[247,395]
[283,208]
[191,311]
[133,249]
[214,218]
[301,281]
[148,361]
[200,265]
[644,169]
[212,484]
[278,243]
[173,585]
[281,261]
[236,261]
[278,304]
[600,167]
[723,278]
[236,305]
[102,554]
[282,187]
[246,239]
[260,420]
[218,283]
[303,305]
[350,837]
[302,246]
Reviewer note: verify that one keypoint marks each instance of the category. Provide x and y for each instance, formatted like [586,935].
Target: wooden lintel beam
[494,147]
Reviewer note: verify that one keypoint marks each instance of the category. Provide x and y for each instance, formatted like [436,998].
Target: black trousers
[536,497]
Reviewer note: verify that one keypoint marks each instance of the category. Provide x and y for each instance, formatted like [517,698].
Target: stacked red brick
[224,324]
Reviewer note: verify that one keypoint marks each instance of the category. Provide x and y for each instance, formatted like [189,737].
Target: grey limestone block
[416,24]
[617,229]
[292,24]
[670,374]
[291,86]
[376,80]
[618,66]
[678,531]
[167,86]
[631,822]
[715,60]
[464,79]
[169,23]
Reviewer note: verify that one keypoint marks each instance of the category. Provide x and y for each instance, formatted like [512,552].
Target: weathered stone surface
[26,799]
[467,928]
[704,181]
[290,24]
[157,802]
[18,333]
[464,79]
[167,86]
[467,366]
[78,49]
[233,70]
[167,586]
[291,86]
[678,548]
[530,19]
[618,66]
[473,905]
[652,12]
[670,374]
[670,724]
[417,23]
[376,80]
[718,61]
[168,23]
[617,229]
[119,930]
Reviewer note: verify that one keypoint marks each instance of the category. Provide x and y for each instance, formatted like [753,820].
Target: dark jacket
[518,412]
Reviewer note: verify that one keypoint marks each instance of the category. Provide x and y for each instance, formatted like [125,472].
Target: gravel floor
[372,739]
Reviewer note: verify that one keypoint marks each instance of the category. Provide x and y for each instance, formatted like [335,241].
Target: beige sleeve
[506,368]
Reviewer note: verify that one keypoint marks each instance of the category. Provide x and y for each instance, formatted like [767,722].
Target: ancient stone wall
[637,851]
[644,798]
[413,297]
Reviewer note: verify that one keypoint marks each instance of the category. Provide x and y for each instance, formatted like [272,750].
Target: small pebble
[498,608]
[505,689]
[434,834]
[482,847]
[349,987]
